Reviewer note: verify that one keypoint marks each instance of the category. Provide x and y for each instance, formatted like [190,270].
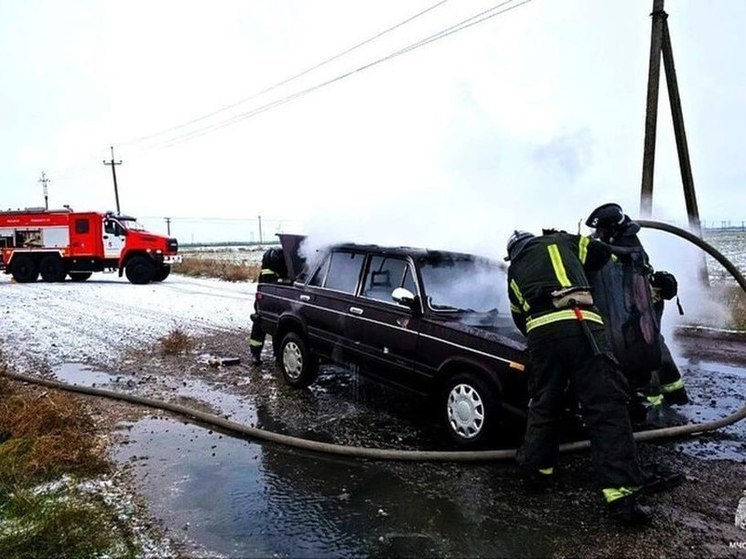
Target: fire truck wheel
[79,276]
[24,269]
[140,270]
[52,268]
[162,272]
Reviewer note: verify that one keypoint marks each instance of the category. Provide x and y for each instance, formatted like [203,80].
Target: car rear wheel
[470,410]
[298,365]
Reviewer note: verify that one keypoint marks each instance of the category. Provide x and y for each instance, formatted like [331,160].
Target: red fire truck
[60,243]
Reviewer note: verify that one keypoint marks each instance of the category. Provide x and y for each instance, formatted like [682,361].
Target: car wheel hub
[465,411]
[292,360]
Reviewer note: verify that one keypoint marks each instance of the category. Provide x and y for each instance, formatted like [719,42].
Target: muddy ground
[213,494]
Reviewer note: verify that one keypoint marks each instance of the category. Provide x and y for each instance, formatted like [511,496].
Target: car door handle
[356,310]
[305,297]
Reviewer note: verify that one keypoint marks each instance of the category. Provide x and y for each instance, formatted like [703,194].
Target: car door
[385,332]
[329,294]
[113,238]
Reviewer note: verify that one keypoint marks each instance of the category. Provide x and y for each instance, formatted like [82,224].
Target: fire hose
[240,430]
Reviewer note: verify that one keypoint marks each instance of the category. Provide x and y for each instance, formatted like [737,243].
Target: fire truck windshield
[131,224]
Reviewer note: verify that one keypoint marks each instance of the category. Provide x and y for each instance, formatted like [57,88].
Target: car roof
[413,252]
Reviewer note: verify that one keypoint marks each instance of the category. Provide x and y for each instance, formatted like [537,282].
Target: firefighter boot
[678,397]
[627,511]
[659,478]
[256,357]
[539,480]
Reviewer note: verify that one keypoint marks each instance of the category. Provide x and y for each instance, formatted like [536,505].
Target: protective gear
[273,270]
[273,262]
[560,352]
[659,478]
[608,216]
[666,283]
[629,512]
[516,242]
[611,222]
[622,292]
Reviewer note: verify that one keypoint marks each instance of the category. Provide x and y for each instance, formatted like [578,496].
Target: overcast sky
[529,119]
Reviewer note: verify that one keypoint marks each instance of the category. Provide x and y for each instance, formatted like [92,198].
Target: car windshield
[131,224]
[463,283]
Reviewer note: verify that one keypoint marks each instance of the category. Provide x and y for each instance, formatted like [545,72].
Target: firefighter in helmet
[273,270]
[552,304]
[615,228]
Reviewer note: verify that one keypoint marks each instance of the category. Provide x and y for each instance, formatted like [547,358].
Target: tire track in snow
[62,322]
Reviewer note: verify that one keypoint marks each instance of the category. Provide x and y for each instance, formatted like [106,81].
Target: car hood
[500,329]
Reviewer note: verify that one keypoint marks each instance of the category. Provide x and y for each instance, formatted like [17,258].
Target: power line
[462,25]
[291,78]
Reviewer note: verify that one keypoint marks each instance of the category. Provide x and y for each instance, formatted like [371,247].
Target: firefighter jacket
[273,266]
[553,263]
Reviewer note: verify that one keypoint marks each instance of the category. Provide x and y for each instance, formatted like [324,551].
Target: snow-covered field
[95,320]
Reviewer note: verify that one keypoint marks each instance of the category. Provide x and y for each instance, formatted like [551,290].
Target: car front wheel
[470,410]
[298,365]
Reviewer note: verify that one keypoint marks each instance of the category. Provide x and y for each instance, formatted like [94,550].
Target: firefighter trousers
[257,335]
[601,390]
[669,375]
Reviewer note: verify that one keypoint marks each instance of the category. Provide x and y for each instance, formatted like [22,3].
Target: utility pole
[259,219]
[660,45]
[168,225]
[114,175]
[44,181]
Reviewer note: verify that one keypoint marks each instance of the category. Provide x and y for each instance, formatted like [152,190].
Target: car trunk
[291,251]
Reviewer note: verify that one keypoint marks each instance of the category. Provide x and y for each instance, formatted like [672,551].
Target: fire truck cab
[60,243]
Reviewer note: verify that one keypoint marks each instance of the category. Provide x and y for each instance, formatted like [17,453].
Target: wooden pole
[651,112]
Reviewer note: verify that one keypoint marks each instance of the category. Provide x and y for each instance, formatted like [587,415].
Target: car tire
[298,365]
[24,269]
[470,410]
[140,270]
[79,276]
[162,272]
[52,268]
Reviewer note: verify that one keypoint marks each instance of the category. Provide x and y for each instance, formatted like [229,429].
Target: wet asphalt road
[239,498]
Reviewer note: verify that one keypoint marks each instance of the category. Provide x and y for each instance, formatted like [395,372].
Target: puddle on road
[83,375]
[241,498]
[716,390]
[226,405]
[244,499]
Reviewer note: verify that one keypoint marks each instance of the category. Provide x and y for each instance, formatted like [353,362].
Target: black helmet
[516,242]
[609,216]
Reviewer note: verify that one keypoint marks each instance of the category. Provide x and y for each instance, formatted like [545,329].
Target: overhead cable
[291,78]
[465,24]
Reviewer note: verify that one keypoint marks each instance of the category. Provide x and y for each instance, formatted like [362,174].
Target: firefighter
[273,270]
[614,227]
[552,305]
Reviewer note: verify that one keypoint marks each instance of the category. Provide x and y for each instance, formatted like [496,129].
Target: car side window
[409,282]
[318,278]
[344,271]
[384,274]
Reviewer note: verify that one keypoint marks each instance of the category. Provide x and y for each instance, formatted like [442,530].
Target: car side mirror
[405,297]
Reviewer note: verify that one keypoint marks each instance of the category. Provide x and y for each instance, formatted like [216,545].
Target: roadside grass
[176,342]
[214,268]
[46,437]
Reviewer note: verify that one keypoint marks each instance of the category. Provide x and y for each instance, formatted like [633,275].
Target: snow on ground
[97,319]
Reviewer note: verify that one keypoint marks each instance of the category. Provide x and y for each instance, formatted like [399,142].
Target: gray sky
[529,119]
